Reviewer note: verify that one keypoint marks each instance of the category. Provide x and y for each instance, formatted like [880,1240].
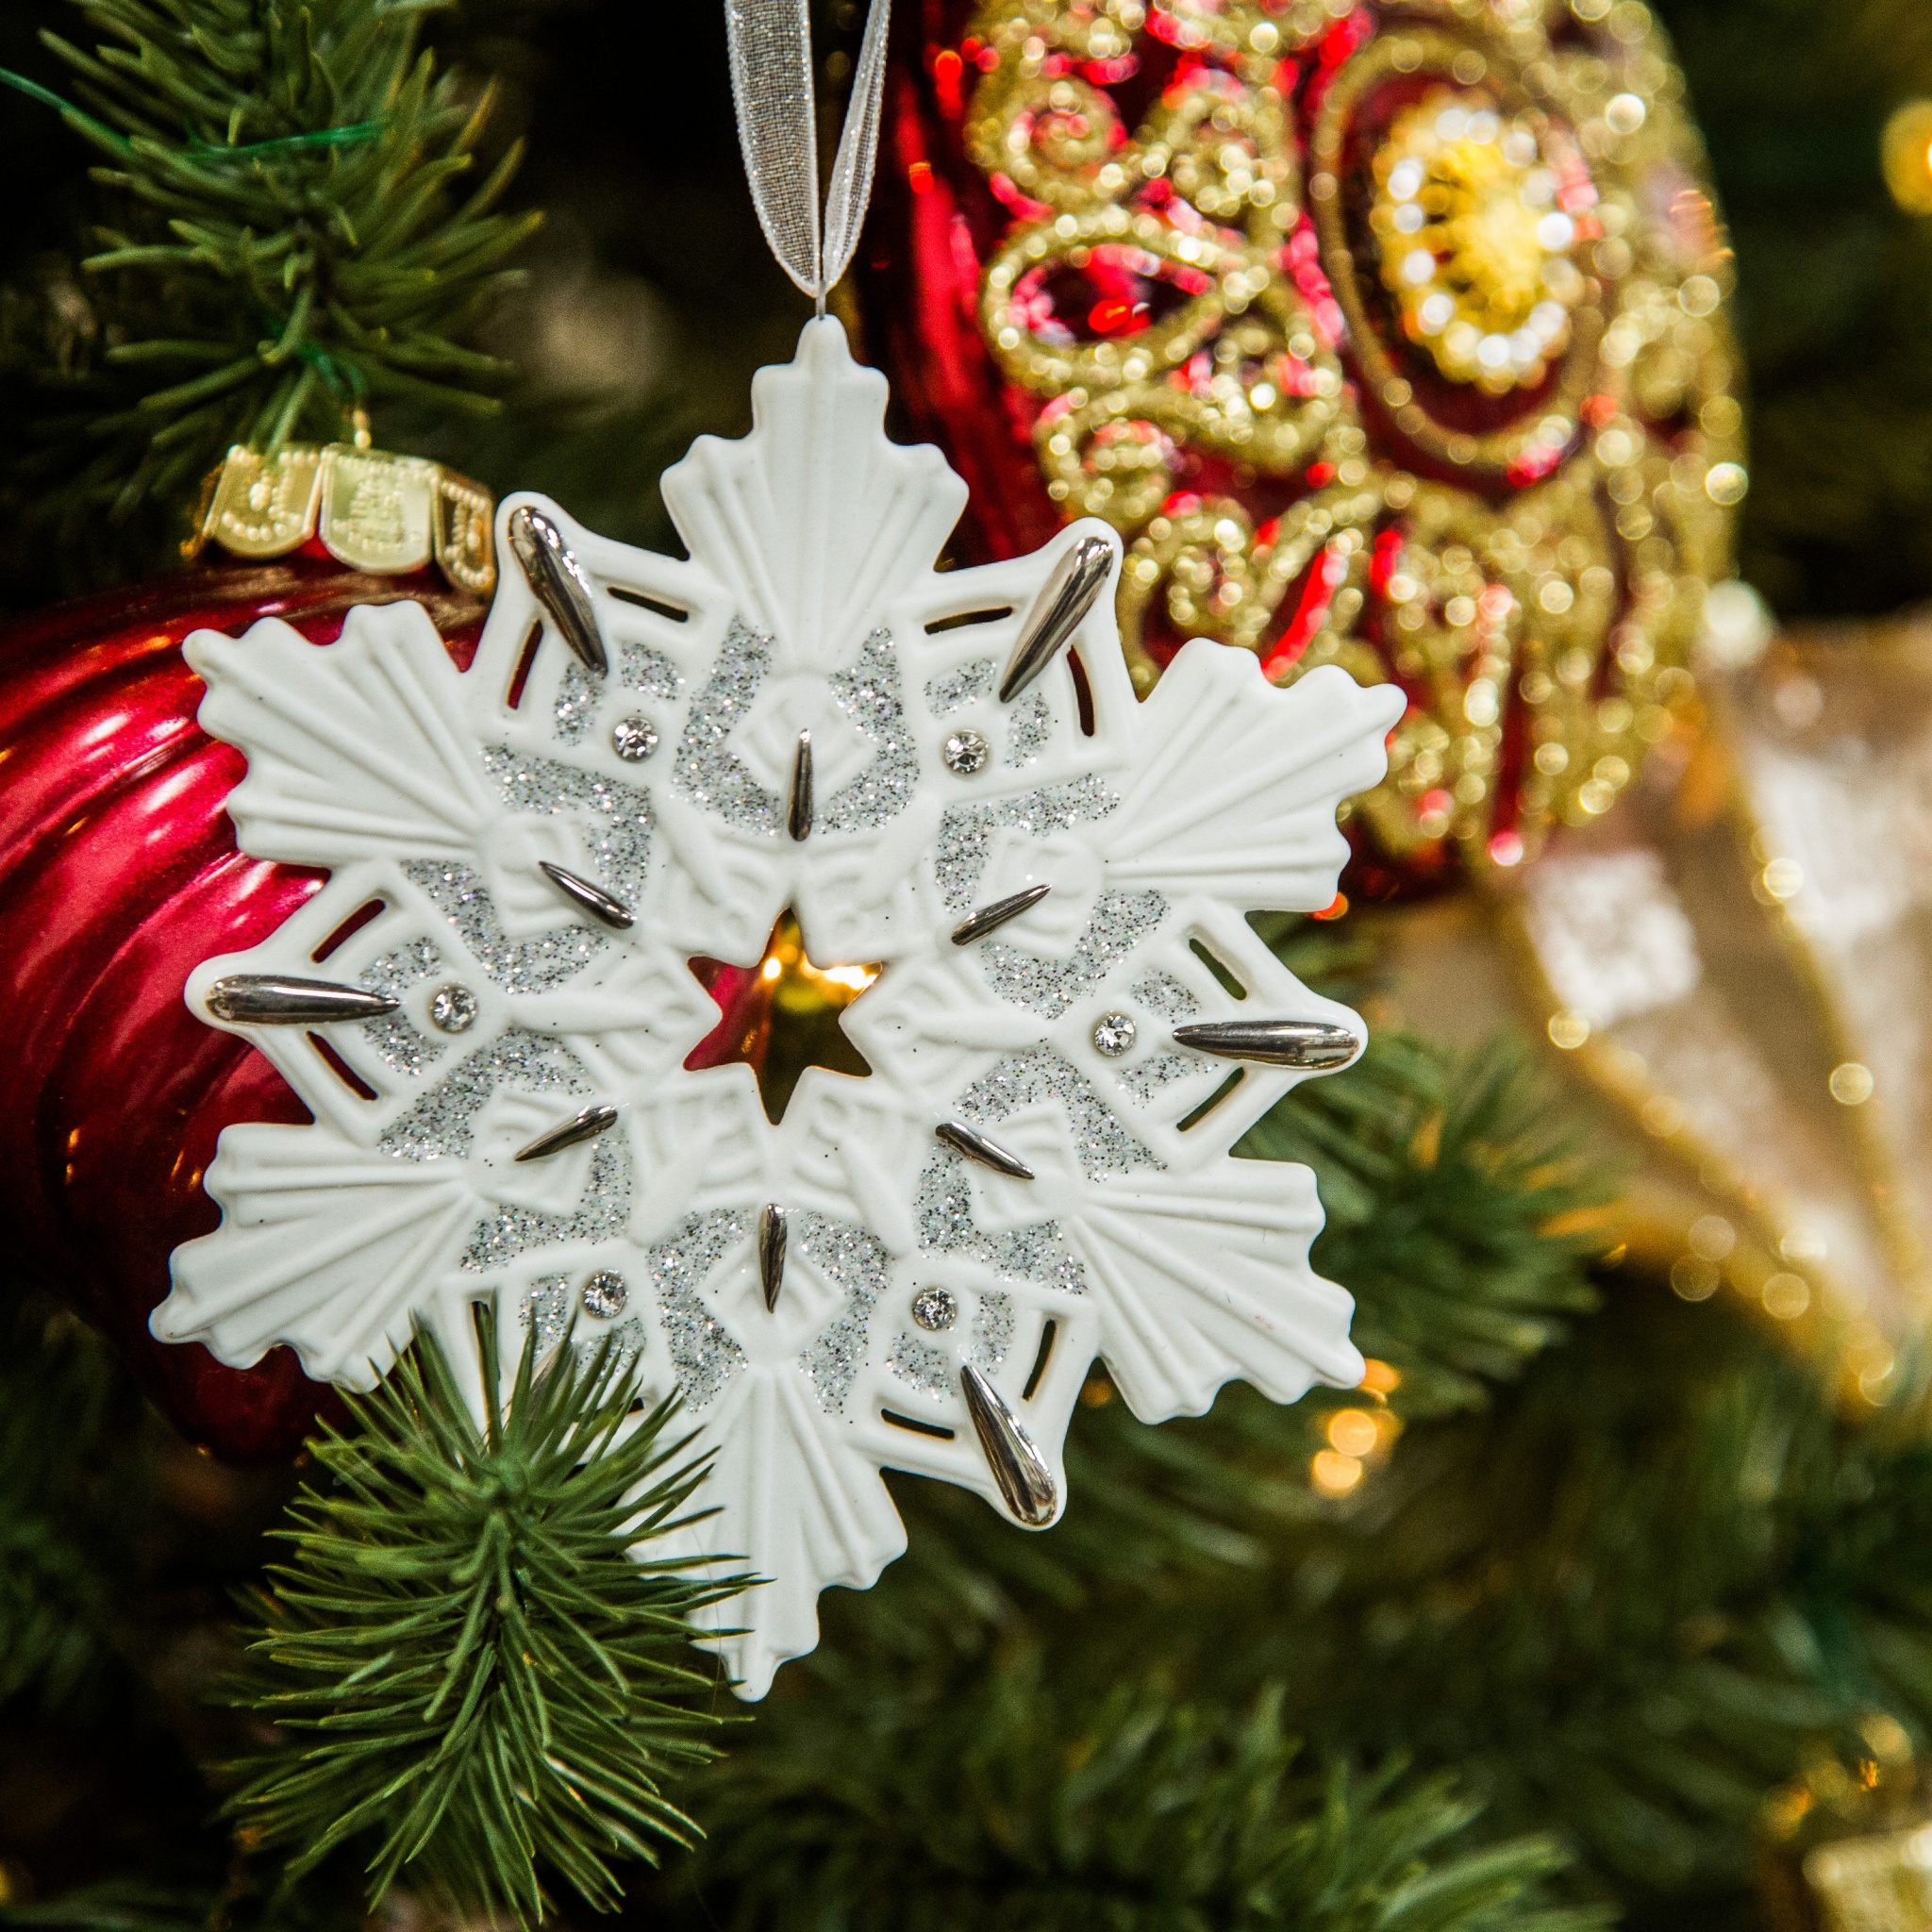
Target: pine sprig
[295,244]
[467,1657]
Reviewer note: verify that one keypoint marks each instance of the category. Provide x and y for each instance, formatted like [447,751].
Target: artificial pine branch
[923,1800]
[293,244]
[1460,1210]
[469,1658]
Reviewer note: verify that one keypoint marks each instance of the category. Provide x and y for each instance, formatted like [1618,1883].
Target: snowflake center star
[781,1016]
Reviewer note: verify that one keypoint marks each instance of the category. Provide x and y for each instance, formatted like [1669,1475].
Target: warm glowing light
[1569,1030]
[854,978]
[1851,1084]
[1905,149]
[1380,1378]
[1334,1473]
[771,968]
[1352,1431]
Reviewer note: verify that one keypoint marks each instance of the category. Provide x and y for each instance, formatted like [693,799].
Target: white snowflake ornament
[946,772]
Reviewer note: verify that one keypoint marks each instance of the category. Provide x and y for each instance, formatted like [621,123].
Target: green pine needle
[466,1658]
[923,1801]
[294,241]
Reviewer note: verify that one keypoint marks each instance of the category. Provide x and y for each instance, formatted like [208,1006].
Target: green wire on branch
[293,243]
[467,1657]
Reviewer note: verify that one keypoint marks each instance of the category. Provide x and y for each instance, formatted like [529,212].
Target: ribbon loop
[777,132]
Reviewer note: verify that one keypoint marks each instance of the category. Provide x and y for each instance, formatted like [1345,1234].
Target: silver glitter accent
[633,739]
[867,693]
[577,699]
[618,831]
[1114,1034]
[533,965]
[703,1353]
[1100,1139]
[512,1231]
[394,1037]
[1162,994]
[392,974]
[964,754]
[920,1364]
[639,668]
[992,1330]
[1150,1077]
[705,770]
[547,1310]
[440,1124]
[966,830]
[961,687]
[1037,1252]
[1028,729]
[1048,987]
[605,1293]
[935,1309]
[628,1342]
[854,1259]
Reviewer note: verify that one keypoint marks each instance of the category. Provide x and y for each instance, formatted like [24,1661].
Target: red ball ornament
[1387,336]
[119,873]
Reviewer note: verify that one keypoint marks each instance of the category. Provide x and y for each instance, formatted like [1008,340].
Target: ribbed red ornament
[119,873]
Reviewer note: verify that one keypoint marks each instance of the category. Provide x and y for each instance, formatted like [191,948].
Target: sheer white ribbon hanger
[777,130]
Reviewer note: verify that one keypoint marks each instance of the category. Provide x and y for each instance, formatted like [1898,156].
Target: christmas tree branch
[470,1657]
[922,1800]
[292,250]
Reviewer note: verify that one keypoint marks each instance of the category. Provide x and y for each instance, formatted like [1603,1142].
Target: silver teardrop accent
[560,586]
[1068,596]
[976,1146]
[975,925]
[770,1254]
[1019,1468]
[268,999]
[593,899]
[1272,1042]
[585,1126]
[798,814]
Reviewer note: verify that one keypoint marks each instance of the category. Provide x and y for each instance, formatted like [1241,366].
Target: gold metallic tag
[377,510]
[465,546]
[264,506]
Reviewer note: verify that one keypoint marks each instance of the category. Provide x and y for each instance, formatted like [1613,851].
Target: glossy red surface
[118,874]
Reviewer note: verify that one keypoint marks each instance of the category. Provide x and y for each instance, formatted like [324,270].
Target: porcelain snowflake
[489,1008]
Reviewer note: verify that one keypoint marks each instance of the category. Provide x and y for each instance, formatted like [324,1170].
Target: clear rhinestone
[1113,1033]
[453,1009]
[605,1293]
[634,739]
[935,1309]
[965,753]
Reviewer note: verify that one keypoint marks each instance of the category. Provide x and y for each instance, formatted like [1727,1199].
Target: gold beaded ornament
[1419,366]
